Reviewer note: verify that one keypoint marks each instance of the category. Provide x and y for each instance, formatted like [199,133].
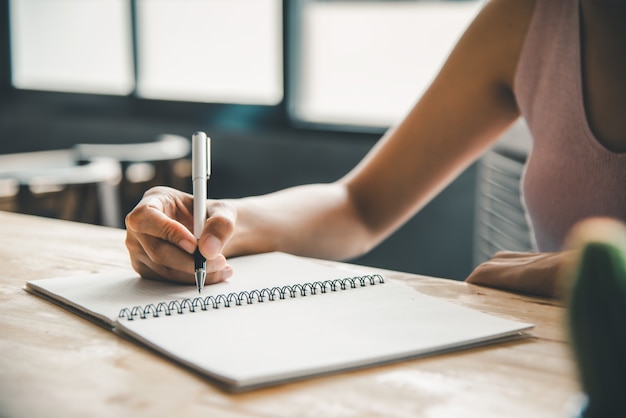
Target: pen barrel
[200,155]
[200,163]
[199,206]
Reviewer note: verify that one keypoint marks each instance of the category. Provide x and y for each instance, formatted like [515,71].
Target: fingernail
[212,245]
[188,246]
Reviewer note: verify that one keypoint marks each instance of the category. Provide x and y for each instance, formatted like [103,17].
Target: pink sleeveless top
[569,175]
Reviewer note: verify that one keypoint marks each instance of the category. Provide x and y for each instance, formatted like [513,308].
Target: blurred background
[99,98]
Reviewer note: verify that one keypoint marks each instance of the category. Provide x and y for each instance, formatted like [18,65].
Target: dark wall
[437,241]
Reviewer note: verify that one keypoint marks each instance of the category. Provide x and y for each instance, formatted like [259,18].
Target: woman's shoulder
[502,25]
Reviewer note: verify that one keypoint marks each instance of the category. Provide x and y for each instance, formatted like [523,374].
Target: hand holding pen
[160,239]
[164,231]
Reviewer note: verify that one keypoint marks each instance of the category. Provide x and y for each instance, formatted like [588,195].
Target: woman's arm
[464,111]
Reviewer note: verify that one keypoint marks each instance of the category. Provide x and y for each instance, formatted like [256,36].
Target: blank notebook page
[258,343]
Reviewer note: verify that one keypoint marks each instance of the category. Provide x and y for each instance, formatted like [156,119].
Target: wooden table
[54,363]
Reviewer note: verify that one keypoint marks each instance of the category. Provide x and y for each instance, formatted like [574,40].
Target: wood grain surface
[56,364]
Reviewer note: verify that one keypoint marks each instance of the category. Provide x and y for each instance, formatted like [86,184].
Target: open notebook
[279,318]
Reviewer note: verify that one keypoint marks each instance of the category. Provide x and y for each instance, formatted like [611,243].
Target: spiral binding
[247,297]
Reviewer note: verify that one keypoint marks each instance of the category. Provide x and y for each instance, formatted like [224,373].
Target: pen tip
[200,276]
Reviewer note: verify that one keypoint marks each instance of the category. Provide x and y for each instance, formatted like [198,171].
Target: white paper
[274,341]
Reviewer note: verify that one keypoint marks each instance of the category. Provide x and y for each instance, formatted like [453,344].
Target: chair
[501,221]
[8,192]
[55,184]
[163,161]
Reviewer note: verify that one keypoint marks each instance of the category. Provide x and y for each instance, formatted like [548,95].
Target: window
[217,51]
[213,51]
[72,45]
[365,63]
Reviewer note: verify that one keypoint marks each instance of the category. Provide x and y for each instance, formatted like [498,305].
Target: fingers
[217,269]
[164,213]
[163,257]
[532,273]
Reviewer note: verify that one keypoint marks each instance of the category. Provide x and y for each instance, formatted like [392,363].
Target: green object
[597,321]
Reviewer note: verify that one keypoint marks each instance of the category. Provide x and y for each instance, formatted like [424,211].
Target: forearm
[467,107]
[316,220]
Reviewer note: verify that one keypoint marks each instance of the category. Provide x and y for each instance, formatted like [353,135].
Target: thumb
[218,229]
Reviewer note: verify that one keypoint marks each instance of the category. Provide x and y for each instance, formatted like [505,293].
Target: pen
[200,173]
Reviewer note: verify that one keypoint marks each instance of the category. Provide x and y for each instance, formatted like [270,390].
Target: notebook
[278,318]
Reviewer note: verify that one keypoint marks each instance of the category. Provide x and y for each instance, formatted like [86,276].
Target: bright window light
[226,51]
[72,45]
[365,63]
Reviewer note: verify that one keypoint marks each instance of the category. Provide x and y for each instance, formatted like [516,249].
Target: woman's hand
[533,273]
[160,242]
[546,274]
